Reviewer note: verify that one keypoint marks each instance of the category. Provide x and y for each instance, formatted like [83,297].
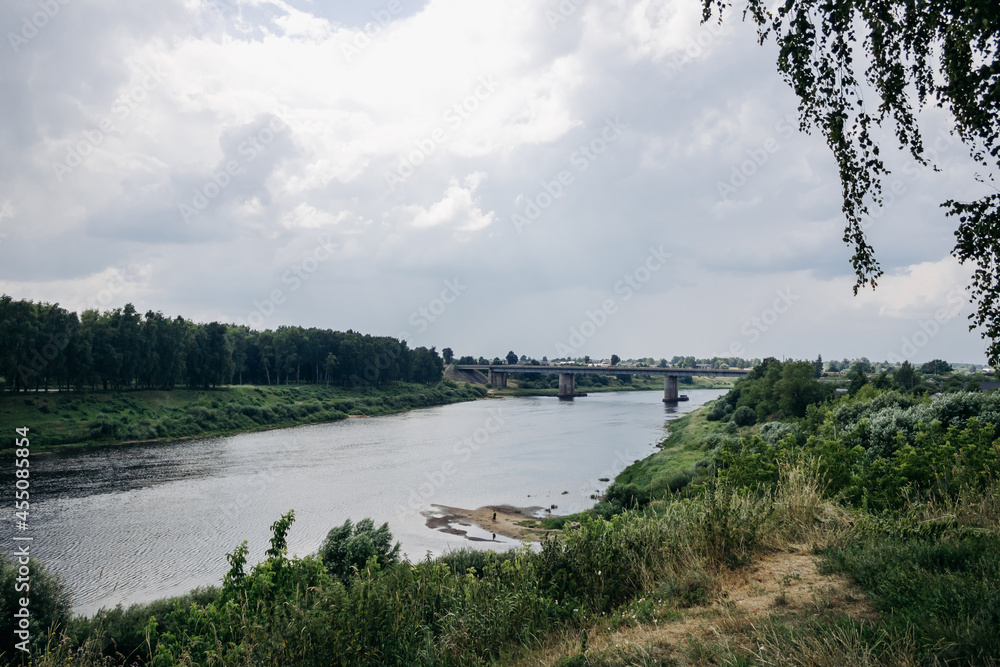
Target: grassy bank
[781,576]
[768,555]
[66,420]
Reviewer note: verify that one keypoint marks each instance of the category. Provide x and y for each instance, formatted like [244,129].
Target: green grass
[943,591]
[66,420]
[682,458]
[684,455]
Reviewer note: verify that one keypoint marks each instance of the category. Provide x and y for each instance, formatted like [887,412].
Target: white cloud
[513,99]
[458,208]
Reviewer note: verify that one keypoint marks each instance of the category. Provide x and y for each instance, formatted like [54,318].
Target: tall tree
[858,65]
[905,376]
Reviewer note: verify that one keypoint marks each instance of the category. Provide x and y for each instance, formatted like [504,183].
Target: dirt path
[786,586]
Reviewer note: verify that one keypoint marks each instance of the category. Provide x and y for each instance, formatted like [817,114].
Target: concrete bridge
[567,375]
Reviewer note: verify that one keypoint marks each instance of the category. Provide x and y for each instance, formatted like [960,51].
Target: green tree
[744,416]
[863,365]
[511,358]
[858,378]
[426,367]
[797,388]
[885,381]
[858,66]
[447,355]
[936,367]
[905,376]
[615,359]
[818,366]
[347,547]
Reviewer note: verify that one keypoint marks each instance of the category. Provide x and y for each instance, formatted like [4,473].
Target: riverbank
[767,560]
[681,458]
[67,421]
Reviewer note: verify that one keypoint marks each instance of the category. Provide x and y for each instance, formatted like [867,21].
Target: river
[136,523]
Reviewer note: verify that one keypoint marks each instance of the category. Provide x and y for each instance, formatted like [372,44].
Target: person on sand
[494,517]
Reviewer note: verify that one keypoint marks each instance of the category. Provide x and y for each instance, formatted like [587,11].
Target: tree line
[45,346]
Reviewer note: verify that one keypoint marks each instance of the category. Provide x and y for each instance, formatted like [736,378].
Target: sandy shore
[452,520]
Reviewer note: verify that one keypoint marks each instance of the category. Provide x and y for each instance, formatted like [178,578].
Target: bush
[774,432]
[744,416]
[626,496]
[348,547]
[942,592]
[49,605]
[731,523]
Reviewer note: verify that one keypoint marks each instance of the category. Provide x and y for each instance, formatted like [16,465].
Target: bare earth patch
[785,587]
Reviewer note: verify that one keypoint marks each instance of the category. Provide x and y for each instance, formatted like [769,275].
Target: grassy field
[64,420]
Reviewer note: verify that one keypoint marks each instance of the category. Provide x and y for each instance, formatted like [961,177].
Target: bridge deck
[610,370]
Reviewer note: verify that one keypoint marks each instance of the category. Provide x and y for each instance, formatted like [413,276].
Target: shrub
[744,416]
[775,432]
[348,547]
[731,523]
[49,606]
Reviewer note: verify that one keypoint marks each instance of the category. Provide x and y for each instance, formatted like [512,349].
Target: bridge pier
[567,385]
[498,379]
[670,394]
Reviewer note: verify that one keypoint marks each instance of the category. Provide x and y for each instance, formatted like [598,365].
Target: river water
[131,524]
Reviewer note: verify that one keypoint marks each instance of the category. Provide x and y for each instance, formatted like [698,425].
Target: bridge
[567,375]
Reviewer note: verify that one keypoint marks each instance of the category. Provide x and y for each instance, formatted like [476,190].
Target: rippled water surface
[130,524]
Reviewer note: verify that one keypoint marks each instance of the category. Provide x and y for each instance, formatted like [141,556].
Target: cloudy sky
[584,176]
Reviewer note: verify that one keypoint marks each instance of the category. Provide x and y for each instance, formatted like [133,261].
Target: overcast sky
[585,177]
